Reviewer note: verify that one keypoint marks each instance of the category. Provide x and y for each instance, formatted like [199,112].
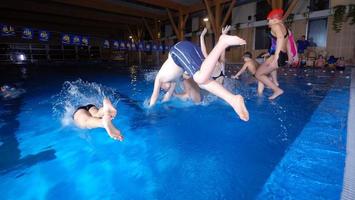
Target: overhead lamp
[205,19]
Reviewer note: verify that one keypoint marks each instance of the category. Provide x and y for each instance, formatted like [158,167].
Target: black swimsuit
[283,58]
[221,74]
[87,108]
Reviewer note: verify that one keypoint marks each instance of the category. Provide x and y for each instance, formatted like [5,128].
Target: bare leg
[112,131]
[236,101]
[84,119]
[96,112]
[261,87]
[202,77]
[262,75]
[210,62]
[274,77]
[108,108]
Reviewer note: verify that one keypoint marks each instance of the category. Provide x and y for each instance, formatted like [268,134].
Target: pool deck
[348,192]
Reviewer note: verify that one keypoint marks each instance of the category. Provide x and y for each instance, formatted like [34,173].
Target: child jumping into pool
[251,65]
[186,56]
[219,70]
[89,116]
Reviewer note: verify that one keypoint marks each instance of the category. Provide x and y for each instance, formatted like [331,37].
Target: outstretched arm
[170,92]
[202,43]
[242,70]
[155,94]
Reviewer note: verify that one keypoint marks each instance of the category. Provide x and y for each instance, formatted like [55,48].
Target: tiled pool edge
[313,166]
[348,192]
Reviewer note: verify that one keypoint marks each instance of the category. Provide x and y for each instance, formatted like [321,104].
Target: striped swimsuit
[188,56]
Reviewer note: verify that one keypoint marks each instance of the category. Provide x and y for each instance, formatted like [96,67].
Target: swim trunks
[220,75]
[188,56]
[283,58]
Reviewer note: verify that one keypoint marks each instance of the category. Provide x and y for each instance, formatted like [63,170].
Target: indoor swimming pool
[291,148]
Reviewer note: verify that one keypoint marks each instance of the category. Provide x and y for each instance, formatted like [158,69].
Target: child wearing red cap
[278,51]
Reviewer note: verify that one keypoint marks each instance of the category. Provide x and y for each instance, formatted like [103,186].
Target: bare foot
[229,40]
[108,108]
[112,131]
[276,94]
[239,107]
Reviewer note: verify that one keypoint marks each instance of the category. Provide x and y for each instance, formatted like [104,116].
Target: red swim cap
[275,14]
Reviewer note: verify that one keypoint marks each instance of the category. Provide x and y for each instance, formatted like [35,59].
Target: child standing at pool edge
[186,56]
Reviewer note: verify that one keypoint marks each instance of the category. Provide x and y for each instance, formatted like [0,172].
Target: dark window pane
[262,9]
[262,41]
[317,32]
[316,5]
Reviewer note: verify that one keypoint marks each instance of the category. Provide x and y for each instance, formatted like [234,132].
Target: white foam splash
[80,93]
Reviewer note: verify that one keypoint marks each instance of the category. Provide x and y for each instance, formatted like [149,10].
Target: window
[188,25]
[262,9]
[315,5]
[262,40]
[317,32]
[225,10]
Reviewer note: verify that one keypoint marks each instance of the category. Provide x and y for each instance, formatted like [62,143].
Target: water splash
[150,76]
[78,93]
[281,114]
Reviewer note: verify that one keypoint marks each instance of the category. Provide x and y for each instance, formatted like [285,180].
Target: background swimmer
[251,65]
[8,92]
[191,90]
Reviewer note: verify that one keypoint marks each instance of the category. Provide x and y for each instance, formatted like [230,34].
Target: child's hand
[226,29]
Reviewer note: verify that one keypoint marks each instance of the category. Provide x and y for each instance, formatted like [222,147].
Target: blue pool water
[292,148]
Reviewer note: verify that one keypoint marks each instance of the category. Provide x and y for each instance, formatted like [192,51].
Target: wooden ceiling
[107,18]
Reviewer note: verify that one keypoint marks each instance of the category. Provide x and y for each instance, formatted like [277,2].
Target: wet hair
[247,55]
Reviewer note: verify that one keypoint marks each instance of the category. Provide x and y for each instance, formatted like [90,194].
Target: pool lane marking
[348,192]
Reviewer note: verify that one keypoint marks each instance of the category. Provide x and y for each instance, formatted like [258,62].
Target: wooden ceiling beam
[210,16]
[165,4]
[149,29]
[229,13]
[64,10]
[59,19]
[290,8]
[201,6]
[109,7]
[173,24]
